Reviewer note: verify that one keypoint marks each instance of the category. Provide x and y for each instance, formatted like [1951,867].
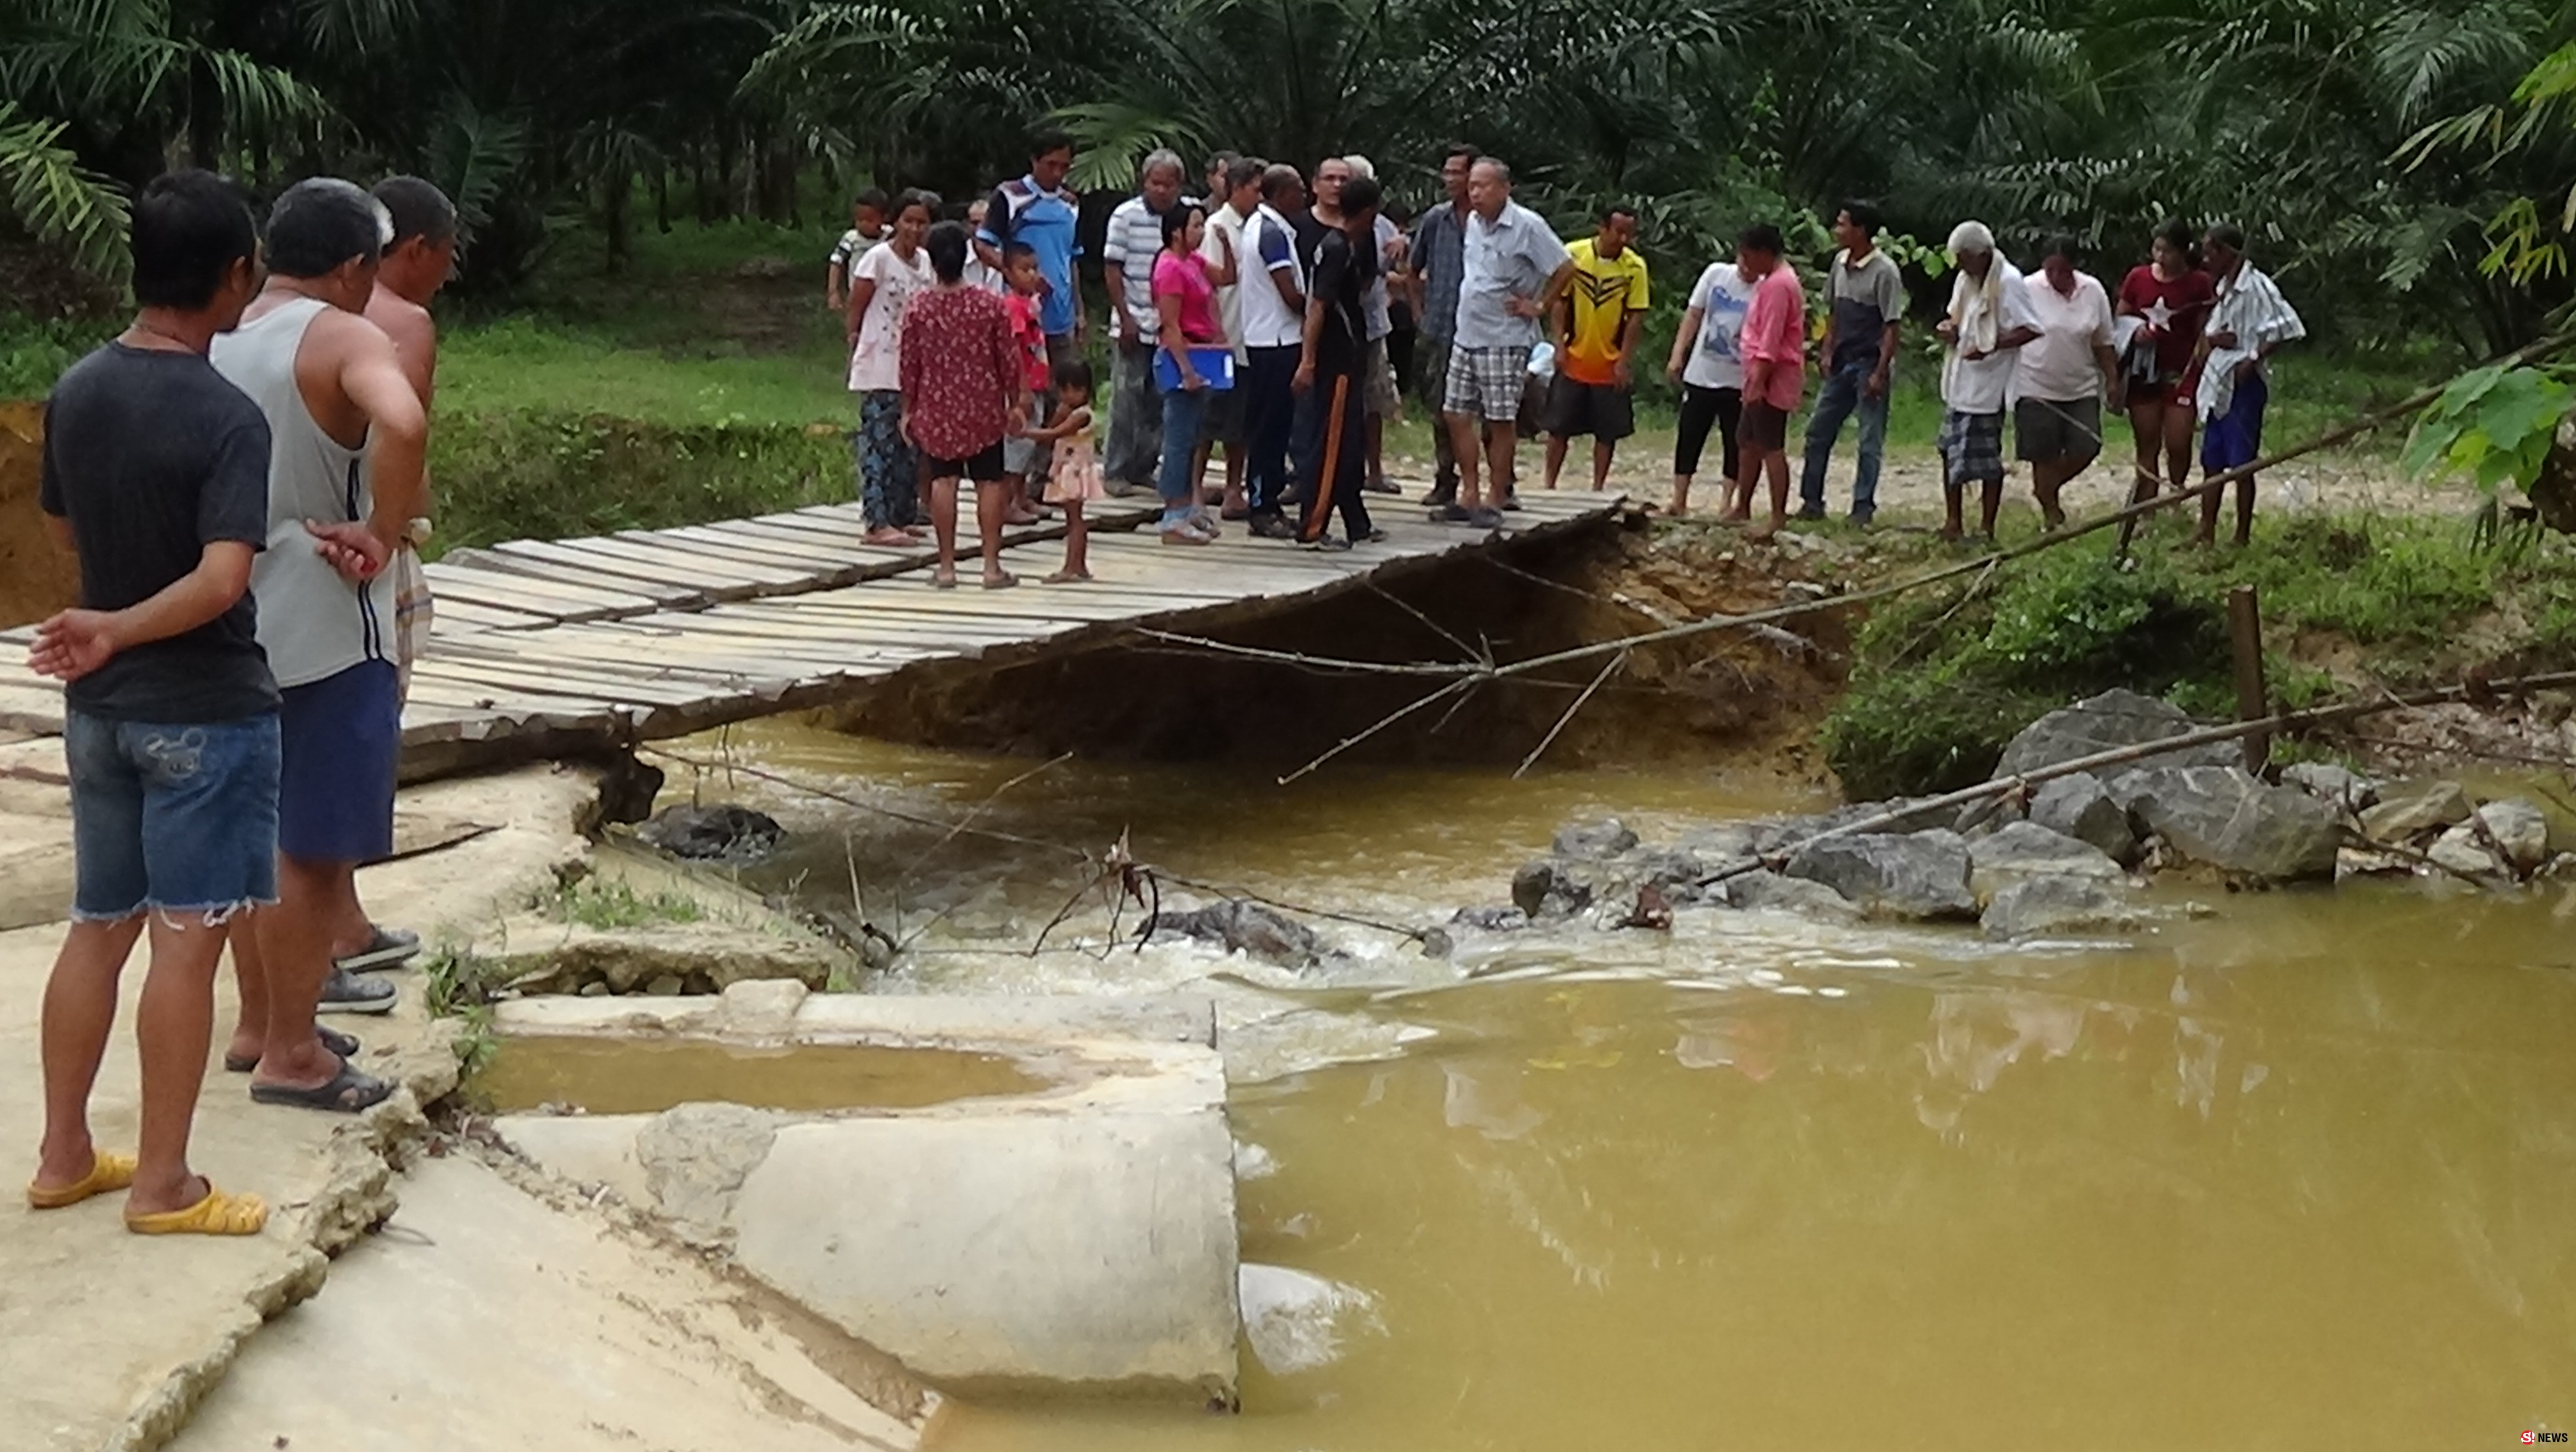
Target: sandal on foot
[943,579]
[886,538]
[107,1172]
[1069,577]
[1002,581]
[386,948]
[334,1040]
[217,1214]
[349,1092]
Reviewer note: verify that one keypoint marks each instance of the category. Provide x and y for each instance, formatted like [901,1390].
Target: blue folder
[1216,365]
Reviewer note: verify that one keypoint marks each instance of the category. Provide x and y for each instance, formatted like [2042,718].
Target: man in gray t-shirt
[1866,294]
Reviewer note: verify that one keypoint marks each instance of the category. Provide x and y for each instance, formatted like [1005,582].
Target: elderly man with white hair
[1135,239]
[1990,318]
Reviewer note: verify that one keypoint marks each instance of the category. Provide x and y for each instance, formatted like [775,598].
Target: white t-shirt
[1722,295]
[1229,299]
[1985,385]
[2059,365]
[1269,248]
[876,363]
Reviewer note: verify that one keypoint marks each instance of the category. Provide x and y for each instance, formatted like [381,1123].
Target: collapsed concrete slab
[1077,1237]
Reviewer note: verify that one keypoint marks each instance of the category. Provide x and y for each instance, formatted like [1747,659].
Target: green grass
[523,364]
[1943,678]
[596,903]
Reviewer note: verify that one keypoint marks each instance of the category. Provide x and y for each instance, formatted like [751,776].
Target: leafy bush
[1942,681]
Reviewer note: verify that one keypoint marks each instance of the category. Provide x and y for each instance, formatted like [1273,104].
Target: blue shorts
[2234,439]
[176,819]
[342,737]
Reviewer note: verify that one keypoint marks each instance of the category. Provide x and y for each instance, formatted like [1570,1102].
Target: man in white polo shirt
[1272,294]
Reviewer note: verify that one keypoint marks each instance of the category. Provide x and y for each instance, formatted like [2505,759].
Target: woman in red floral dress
[961,398]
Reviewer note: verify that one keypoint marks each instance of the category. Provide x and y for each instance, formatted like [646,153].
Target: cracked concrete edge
[356,1197]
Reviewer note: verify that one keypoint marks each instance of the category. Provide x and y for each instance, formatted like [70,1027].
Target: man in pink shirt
[1774,348]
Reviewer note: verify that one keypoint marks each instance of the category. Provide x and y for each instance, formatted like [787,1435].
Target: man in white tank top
[347,439]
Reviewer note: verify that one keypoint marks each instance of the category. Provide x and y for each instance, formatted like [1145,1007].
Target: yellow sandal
[107,1172]
[217,1214]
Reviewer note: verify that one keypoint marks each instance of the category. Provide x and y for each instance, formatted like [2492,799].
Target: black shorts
[1765,429]
[983,468]
[1575,408]
[2046,431]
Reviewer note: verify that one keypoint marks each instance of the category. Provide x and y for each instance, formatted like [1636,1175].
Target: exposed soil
[36,579]
[1753,701]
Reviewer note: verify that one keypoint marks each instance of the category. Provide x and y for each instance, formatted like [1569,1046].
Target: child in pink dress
[1075,474]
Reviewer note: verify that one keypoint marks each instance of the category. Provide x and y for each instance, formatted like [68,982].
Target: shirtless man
[348,436]
[416,265]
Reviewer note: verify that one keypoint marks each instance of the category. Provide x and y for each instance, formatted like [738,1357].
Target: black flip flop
[332,1039]
[349,1092]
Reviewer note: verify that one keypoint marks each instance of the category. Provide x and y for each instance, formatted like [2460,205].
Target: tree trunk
[617,203]
[2553,494]
[662,197]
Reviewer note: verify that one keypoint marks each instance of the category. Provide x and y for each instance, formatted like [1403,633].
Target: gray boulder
[1246,927]
[2521,833]
[2334,785]
[2040,906]
[2223,817]
[1594,841]
[2410,810]
[2021,851]
[2461,850]
[2107,722]
[1920,875]
[2078,807]
[1549,888]
[1770,892]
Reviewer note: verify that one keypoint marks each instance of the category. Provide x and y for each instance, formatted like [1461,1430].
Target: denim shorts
[177,819]
[343,741]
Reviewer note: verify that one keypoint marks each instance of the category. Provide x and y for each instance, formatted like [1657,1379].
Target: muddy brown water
[628,1076]
[2301,1172]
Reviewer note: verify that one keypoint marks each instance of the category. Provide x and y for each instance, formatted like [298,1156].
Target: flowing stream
[2300,1170]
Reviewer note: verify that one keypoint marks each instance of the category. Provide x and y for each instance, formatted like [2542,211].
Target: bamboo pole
[2211,735]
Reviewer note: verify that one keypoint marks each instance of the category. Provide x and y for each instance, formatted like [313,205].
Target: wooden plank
[614,571]
[667,662]
[781,548]
[682,567]
[500,589]
[556,679]
[819,567]
[464,617]
[582,584]
[513,707]
[26,709]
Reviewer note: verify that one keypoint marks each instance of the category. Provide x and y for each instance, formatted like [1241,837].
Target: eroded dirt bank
[1750,698]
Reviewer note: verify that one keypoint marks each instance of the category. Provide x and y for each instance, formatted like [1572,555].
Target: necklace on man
[164,334]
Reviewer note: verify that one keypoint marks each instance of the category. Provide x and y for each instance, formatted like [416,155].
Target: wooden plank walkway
[555,647]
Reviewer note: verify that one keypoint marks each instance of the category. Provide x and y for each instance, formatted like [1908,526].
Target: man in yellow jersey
[1597,329]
